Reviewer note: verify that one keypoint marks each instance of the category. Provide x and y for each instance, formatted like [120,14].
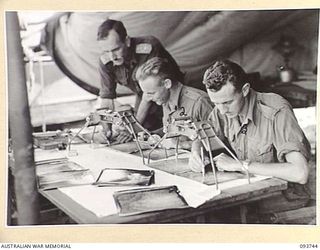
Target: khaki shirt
[195,102]
[269,131]
[141,49]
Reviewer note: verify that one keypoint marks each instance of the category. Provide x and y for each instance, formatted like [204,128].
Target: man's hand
[106,129]
[143,109]
[106,104]
[124,136]
[195,163]
[172,143]
[101,138]
[226,163]
[169,143]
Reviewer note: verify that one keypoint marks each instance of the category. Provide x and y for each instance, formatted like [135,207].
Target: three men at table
[261,128]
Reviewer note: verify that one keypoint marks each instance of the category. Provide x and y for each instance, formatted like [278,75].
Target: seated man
[260,127]
[160,84]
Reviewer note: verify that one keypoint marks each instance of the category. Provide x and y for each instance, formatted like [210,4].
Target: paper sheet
[47,155]
[99,200]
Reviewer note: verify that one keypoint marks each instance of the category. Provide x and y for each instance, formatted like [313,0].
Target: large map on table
[100,200]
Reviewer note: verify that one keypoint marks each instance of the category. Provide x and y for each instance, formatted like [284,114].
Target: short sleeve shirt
[141,49]
[196,103]
[269,131]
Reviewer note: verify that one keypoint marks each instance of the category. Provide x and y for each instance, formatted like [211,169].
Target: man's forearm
[143,110]
[107,103]
[287,171]
[295,169]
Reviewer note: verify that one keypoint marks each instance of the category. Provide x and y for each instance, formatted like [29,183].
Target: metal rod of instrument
[140,126]
[203,164]
[150,135]
[135,138]
[209,150]
[177,148]
[155,146]
[213,164]
[72,138]
[230,152]
[234,157]
[165,153]
[93,132]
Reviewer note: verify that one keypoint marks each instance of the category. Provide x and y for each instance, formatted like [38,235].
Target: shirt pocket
[265,153]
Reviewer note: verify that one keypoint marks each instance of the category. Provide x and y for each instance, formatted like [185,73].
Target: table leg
[243,214]
[201,218]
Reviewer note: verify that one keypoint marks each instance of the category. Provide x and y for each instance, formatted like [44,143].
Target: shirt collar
[175,95]
[251,107]
[131,59]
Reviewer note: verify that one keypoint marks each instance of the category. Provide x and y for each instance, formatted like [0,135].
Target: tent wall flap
[194,38]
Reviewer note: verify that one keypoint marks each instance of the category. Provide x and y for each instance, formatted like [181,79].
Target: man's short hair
[157,66]
[110,24]
[222,71]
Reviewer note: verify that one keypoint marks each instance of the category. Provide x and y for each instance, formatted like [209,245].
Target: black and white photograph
[161,117]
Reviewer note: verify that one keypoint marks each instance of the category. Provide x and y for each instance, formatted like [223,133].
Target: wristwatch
[245,165]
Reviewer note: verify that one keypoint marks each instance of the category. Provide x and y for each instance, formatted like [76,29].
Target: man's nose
[112,55]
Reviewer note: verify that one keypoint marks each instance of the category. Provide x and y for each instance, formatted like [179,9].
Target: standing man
[121,56]
[260,127]
[160,83]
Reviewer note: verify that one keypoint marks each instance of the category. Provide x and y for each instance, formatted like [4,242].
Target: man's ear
[167,83]
[127,41]
[245,89]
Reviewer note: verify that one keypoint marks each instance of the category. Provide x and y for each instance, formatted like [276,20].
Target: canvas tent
[194,38]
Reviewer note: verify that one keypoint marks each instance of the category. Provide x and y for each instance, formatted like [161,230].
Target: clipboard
[124,177]
[62,173]
[146,200]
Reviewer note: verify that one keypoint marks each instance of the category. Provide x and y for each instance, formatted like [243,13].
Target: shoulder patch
[270,104]
[192,93]
[143,48]
[104,58]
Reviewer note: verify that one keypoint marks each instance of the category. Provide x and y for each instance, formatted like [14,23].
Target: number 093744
[308,245]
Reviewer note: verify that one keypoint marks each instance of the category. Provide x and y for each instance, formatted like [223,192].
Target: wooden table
[230,197]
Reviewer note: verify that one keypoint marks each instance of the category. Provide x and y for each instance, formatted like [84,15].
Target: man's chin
[159,103]
[118,62]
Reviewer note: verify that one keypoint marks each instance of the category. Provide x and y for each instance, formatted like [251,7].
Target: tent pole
[20,127]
